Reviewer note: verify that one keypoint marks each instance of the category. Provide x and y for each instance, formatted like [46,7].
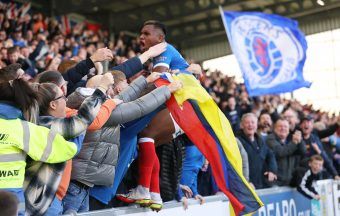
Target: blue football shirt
[171,59]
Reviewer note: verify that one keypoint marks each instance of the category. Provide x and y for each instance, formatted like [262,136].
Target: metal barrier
[218,205]
[282,201]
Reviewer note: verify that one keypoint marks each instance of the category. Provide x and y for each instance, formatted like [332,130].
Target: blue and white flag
[270,49]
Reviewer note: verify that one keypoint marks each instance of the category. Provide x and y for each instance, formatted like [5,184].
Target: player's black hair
[156,24]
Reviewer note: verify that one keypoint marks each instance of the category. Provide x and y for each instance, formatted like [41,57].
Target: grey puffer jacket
[97,160]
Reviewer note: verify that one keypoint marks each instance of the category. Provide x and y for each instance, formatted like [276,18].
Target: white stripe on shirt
[162,64]
[303,184]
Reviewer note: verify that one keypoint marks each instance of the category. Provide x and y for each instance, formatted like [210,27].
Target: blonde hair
[118,76]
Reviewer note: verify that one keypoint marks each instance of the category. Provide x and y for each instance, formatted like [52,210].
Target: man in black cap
[314,145]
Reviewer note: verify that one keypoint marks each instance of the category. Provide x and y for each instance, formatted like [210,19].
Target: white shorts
[178,130]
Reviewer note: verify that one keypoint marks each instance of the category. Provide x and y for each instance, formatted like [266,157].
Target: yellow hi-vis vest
[20,138]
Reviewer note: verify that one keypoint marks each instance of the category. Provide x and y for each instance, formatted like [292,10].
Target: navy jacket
[74,75]
[261,159]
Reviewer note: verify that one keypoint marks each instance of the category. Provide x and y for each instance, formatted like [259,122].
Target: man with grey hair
[262,162]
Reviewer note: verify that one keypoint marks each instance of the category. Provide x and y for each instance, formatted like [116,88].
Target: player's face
[149,36]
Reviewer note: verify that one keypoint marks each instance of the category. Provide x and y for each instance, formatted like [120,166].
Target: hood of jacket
[75,99]
[9,111]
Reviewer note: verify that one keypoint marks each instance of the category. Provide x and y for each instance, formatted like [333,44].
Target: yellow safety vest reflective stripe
[19,138]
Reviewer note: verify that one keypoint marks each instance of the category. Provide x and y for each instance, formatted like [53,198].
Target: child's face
[316,166]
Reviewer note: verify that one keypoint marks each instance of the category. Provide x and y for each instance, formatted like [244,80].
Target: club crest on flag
[266,59]
[270,50]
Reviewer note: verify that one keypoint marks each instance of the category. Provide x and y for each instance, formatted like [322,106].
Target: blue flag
[127,153]
[270,49]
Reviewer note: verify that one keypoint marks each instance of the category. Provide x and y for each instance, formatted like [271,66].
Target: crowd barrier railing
[218,205]
[278,201]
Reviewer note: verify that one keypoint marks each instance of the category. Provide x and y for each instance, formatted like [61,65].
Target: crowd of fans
[276,136]
[39,43]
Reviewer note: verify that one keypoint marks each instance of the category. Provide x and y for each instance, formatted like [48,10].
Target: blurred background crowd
[277,135]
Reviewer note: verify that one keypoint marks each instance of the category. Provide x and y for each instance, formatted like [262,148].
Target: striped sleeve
[74,126]
[304,188]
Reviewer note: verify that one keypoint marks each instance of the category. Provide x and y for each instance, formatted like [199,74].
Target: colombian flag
[207,127]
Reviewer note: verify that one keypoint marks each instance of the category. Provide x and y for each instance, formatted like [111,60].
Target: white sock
[143,190]
[155,196]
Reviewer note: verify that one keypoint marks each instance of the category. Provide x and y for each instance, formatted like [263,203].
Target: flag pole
[222,17]
[225,27]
